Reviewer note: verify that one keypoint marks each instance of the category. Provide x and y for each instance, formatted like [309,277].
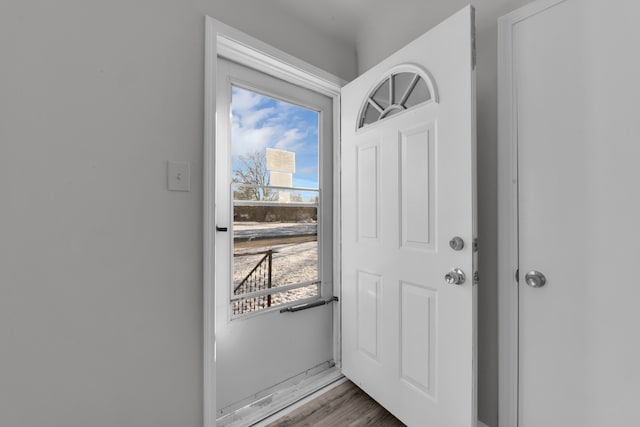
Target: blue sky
[259,122]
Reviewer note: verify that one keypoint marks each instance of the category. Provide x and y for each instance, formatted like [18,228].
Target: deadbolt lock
[456,243]
[455,277]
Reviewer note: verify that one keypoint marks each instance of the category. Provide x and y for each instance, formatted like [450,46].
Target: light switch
[179,176]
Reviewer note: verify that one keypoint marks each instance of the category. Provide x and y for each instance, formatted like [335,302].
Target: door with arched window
[409,227]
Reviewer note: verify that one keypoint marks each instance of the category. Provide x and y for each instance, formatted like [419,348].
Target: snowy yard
[291,262]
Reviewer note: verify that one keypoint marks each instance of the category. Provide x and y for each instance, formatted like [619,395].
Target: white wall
[390,25]
[101,266]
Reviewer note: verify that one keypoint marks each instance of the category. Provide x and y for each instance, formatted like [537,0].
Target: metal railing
[258,279]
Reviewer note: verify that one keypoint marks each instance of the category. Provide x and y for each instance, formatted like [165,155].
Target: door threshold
[281,399]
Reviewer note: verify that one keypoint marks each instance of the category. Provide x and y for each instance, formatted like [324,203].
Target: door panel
[407,189]
[418,350]
[576,99]
[369,299]
[367,188]
[416,186]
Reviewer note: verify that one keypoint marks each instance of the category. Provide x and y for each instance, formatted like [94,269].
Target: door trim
[225,41]
[508,326]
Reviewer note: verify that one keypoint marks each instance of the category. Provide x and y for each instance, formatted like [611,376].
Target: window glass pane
[409,90]
[401,82]
[289,229]
[381,95]
[276,197]
[371,115]
[418,95]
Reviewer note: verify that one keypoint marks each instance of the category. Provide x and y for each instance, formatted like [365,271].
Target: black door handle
[221,228]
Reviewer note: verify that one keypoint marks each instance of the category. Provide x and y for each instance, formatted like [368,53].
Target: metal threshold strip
[264,407]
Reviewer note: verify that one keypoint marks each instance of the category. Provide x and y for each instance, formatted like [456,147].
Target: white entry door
[576,92]
[408,204]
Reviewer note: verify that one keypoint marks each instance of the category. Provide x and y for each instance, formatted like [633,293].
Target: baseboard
[481,424]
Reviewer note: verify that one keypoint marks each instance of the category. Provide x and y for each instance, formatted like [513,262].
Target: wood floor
[344,406]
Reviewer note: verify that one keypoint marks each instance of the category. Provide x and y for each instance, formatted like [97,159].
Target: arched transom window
[397,92]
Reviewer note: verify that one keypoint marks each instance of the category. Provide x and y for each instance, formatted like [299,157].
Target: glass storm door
[274,228]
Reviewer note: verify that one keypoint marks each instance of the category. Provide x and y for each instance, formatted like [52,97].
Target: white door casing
[408,187]
[568,138]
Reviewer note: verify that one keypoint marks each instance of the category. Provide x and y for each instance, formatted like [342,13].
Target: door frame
[508,292]
[225,41]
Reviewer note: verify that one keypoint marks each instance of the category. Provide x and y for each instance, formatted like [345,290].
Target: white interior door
[408,179]
[576,96]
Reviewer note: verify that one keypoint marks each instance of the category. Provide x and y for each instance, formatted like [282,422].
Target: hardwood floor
[344,406]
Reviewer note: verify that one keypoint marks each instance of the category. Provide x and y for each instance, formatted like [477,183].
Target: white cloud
[244,100]
[249,140]
[252,117]
[290,139]
[257,124]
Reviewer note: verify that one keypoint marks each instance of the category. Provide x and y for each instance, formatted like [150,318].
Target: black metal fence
[258,279]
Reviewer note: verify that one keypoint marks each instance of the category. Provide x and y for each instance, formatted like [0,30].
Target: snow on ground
[291,263]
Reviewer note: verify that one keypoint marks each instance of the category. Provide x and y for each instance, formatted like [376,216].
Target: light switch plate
[178,176]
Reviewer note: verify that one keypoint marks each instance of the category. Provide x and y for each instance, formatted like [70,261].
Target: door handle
[221,228]
[535,279]
[455,277]
[308,305]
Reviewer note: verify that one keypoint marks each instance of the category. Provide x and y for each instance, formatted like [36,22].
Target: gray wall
[405,21]
[100,266]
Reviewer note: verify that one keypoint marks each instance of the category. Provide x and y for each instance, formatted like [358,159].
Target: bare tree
[253,176]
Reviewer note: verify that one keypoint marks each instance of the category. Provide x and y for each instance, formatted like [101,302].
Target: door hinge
[476,278]
[475,244]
